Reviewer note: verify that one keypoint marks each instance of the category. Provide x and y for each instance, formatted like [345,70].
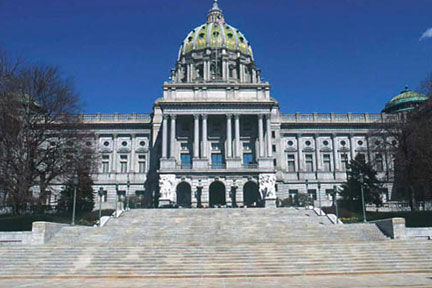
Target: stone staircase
[219,226]
[217,243]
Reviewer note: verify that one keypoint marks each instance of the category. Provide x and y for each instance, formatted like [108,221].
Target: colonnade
[231,152]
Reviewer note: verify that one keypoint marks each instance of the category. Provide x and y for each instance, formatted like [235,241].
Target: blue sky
[319,56]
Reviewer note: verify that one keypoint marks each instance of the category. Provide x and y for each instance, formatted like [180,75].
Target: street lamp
[75,184]
[101,193]
[319,197]
[198,194]
[335,201]
[362,197]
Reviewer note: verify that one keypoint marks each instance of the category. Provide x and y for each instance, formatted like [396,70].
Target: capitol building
[217,136]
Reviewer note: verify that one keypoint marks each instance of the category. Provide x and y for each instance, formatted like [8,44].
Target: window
[290,143]
[105,157]
[142,143]
[309,163]
[308,143]
[186,161]
[344,162]
[291,163]
[105,167]
[274,148]
[361,157]
[123,157]
[312,194]
[215,146]
[141,166]
[326,143]
[123,167]
[273,134]
[247,158]
[184,146]
[379,162]
[142,157]
[247,147]
[124,143]
[293,193]
[217,161]
[327,162]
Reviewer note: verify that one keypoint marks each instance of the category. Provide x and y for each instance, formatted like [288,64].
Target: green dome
[407,100]
[215,34]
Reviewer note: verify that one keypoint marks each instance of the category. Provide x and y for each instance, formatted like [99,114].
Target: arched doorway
[251,195]
[184,194]
[217,194]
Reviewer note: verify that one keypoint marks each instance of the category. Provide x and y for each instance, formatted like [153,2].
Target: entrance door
[251,195]
[184,195]
[217,194]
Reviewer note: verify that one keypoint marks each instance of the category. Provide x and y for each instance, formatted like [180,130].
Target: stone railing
[114,118]
[336,118]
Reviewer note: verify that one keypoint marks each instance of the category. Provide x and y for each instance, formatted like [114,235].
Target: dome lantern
[215,14]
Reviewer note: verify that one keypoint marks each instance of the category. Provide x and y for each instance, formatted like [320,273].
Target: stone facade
[217,137]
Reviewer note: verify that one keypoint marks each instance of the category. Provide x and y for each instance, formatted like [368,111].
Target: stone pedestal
[233,163]
[168,164]
[270,203]
[265,163]
[200,163]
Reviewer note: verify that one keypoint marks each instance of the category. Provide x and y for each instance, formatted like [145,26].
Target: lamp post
[127,193]
[319,197]
[335,200]
[75,184]
[362,198]
[198,194]
[101,192]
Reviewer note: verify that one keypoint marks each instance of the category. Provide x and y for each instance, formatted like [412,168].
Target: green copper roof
[216,33]
[407,100]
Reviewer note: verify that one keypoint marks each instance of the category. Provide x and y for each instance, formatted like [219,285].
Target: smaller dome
[407,100]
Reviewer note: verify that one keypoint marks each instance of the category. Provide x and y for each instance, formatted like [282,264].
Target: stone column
[114,154]
[269,136]
[196,136]
[261,135]
[224,70]
[173,136]
[204,137]
[237,135]
[205,71]
[299,155]
[317,154]
[229,136]
[351,146]
[334,153]
[164,136]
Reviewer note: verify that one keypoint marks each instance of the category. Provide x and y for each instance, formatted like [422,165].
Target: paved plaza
[337,281]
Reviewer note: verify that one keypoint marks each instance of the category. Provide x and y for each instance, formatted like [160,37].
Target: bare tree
[407,140]
[42,141]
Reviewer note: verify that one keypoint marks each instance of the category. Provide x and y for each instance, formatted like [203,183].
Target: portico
[233,148]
